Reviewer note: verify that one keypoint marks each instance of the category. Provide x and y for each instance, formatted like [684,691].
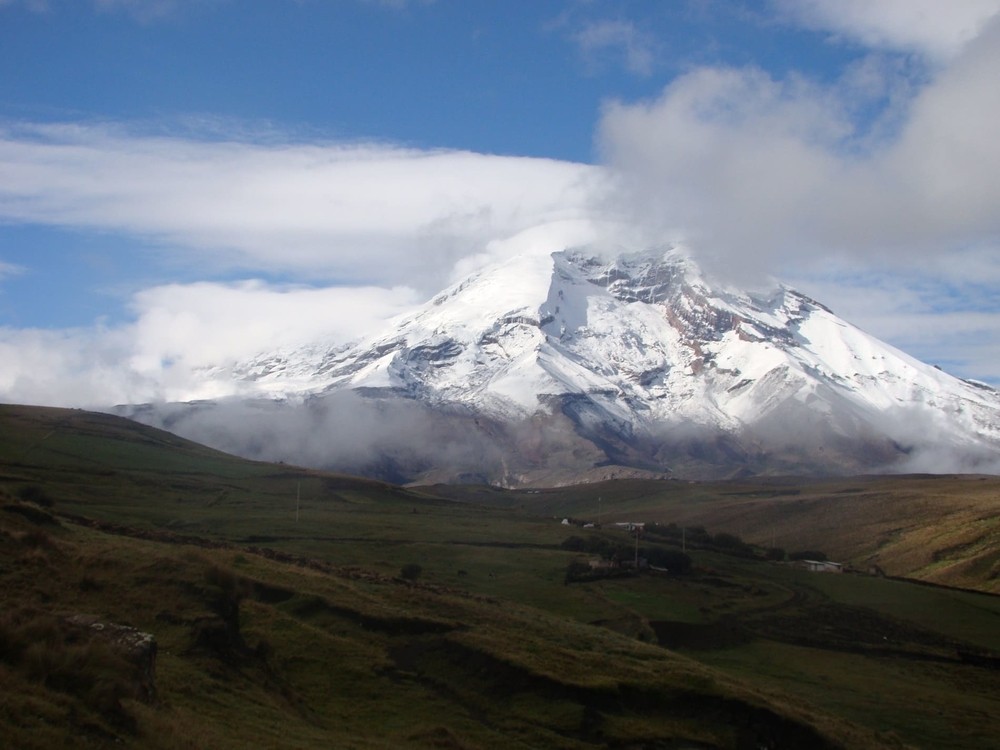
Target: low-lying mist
[396,440]
[403,440]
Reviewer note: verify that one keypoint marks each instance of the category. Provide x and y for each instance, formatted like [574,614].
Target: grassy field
[942,529]
[283,619]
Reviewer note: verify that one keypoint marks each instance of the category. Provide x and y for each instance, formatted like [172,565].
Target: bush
[32,513]
[697,534]
[41,647]
[578,571]
[231,590]
[411,571]
[36,539]
[731,544]
[595,545]
[574,544]
[32,493]
[672,560]
[670,532]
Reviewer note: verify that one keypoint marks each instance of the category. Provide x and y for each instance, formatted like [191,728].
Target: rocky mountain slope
[550,367]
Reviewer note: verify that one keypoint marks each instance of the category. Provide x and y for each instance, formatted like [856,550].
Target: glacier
[548,367]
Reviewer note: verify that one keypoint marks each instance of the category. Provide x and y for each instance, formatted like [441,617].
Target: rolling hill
[296,608]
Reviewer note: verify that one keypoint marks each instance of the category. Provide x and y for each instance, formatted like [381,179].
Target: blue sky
[183,183]
[516,78]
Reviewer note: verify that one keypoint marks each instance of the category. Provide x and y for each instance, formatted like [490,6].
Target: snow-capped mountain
[570,364]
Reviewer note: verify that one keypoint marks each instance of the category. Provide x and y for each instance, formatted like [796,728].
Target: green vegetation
[300,609]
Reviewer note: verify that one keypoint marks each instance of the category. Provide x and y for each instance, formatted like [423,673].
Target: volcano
[577,365]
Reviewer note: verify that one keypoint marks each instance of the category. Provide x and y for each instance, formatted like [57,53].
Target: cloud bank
[759,171]
[181,334]
[875,192]
[373,228]
[353,212]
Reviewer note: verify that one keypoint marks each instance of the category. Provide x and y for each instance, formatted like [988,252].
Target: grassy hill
[295,608]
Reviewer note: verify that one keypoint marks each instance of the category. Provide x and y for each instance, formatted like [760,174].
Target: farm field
[296,608]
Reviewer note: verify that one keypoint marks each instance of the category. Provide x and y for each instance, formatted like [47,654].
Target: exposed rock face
[134,646]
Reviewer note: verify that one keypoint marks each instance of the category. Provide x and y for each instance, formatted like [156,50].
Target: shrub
[36,539]
[232,589]
[672,560]
[697,534]
[42,647]
[731,544]
[578,571]
[411,571]
[574,544]
[33,513]
[32,493]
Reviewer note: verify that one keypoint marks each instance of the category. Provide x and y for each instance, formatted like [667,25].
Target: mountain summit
[569,365]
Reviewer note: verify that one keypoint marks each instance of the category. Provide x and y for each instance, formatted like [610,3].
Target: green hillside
[295,608]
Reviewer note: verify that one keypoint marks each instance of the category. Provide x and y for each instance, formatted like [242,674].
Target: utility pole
[298,498]
[684,542]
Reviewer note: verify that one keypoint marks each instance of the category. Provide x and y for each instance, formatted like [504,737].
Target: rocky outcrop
[137,648]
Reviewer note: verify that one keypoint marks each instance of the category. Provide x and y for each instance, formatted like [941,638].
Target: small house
[822,566]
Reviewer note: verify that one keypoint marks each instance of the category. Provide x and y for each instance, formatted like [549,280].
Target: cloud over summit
[761,170]
[873,188]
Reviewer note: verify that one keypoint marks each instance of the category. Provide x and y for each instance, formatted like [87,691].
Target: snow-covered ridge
[642,344]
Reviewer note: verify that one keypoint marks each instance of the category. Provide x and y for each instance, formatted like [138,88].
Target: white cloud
[374,228]
[35,6]
[596,39]
[68,368]
[359,212]
[762,171]
[179,333]
[786,177]
[936,28]
[206,324]
[730,158]
[9,269]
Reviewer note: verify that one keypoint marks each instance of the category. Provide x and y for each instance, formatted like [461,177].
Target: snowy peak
[636,349]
